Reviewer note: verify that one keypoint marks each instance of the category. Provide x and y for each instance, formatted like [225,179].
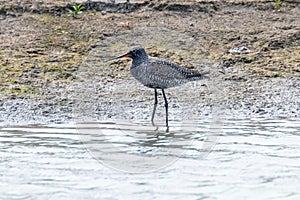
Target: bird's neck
[138,61]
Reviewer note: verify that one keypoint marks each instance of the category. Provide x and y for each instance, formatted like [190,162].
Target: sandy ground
[52,69]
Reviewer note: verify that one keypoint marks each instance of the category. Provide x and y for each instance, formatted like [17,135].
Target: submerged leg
[154,107]
[166,106]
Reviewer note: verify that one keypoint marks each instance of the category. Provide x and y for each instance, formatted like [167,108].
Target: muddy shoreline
[51,62]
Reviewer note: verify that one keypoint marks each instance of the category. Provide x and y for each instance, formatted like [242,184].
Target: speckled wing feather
[158,73]
[168,70]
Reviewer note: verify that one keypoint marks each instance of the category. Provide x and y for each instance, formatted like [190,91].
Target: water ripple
[252,158]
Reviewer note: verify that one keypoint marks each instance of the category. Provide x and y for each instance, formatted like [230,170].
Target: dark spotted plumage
[158,73]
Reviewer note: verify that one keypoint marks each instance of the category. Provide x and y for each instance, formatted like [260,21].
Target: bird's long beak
[125,55]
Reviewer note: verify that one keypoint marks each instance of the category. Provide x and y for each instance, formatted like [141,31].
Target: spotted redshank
[158,74]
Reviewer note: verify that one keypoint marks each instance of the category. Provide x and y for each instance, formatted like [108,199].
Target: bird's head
[137,53]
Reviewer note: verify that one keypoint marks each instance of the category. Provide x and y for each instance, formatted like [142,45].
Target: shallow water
[246,159]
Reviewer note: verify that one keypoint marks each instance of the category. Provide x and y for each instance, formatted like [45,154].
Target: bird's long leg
[166,106]
[154,107]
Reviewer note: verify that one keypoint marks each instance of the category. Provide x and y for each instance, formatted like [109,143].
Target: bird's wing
[168,70]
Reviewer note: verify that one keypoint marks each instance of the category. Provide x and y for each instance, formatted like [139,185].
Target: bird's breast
[140,72]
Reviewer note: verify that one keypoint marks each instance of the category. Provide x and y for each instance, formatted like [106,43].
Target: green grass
[18,90]
[278,5]
[76,10]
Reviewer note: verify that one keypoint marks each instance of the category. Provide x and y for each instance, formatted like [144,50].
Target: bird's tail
[197,76]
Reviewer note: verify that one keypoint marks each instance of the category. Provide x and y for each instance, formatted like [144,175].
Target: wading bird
[158,74]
